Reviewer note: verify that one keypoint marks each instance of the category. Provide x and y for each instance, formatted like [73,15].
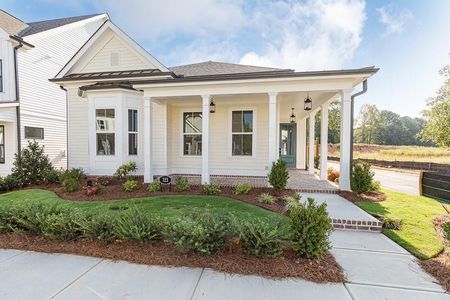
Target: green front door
[288,143]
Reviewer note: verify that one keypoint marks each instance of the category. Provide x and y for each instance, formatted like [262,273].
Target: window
[1,76]
[34,133]
[105,127]
[242,133]
[132,132]
[192,133]
[2,144]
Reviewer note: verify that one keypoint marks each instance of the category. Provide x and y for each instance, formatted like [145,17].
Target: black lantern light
[212,106]
[308,103]
[292,117]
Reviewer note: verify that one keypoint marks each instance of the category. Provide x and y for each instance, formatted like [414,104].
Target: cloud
[393,19]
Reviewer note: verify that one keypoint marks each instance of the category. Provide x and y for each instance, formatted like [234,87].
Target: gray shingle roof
[36,27]
[218,68]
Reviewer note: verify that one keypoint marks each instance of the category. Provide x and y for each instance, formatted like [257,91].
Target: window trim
[113,132]
[33,138]
[136,132]
[230,132]
[182,134]
[1,76]
[2,159]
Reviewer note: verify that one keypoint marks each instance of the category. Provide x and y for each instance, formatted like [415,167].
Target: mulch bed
[159,253]
[439,266]
[370,196]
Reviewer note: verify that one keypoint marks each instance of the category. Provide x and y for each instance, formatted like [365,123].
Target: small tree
[279,175]
[362,177]
[32,164]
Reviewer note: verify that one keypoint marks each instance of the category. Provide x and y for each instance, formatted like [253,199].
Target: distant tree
[437,116]
[368,122]
[334,122]
[391,129]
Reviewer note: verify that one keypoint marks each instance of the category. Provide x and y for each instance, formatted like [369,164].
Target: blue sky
[409,40]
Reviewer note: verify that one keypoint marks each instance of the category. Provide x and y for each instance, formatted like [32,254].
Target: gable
[115,55]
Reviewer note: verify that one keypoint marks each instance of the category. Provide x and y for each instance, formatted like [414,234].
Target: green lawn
[417,235]
[165,206]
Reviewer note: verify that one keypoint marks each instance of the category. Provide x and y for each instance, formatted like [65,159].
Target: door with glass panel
[288,143]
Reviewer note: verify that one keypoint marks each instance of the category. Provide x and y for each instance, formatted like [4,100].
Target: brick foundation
[357,225]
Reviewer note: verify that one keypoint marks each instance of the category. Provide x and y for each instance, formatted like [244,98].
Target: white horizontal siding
[78,131]
[10,147]
[8,76]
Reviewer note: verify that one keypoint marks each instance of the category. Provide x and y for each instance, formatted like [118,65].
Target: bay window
[242,133]
[105,131]
[192,133]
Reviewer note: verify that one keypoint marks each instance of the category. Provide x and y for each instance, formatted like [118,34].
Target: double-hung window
[2,144]
[105,130]
[242,133]
[192,133]
[132,132]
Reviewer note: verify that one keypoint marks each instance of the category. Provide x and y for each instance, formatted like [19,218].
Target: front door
[288,143]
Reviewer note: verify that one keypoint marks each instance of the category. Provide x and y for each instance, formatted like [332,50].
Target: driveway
[402,181]
[376,268]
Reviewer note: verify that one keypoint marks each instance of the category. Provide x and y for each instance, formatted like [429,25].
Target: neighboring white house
[32,108]
[206,119]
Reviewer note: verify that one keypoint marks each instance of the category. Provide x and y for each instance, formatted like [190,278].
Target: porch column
[273,144]
[301,144]
[148,174]
[324,141]
[345,143]
[312,122]
[205,139]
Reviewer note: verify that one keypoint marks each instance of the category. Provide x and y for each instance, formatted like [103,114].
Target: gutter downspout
[19,136]
[363,91]
[67,126]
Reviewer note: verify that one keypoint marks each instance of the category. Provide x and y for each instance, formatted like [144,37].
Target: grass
[165,206]
[401,153]
[417,234]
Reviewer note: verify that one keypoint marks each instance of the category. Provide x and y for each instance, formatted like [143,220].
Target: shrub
[392,223]
[130,185]
[25,217]
[138,226]
[93,187]
[333,174]
[266,198]
[125,170]
[261,238]
[376,186]
[242,188]
[446,228]
[362,176]
[291,202]
[99,227]
[155,186]
[10,182]
[63,224]
[181,184]
[70,185]
[104,180]
[201,232]
[51,175]
[31,164]
[279,175]
[74,173]
[311,228]
[211,189]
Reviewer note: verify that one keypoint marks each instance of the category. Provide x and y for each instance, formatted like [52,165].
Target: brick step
[358,225]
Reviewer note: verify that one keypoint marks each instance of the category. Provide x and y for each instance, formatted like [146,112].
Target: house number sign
[165,180]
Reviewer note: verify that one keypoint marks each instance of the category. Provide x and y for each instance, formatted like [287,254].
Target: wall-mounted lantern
[212,106]
[308,103]
[292,118]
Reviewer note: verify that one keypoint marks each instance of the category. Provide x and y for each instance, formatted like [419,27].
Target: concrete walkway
[376,269]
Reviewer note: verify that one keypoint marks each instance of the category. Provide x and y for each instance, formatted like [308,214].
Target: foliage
[376,186]
[266,198]
[155,186]
[311,228]
[31,164]
[9,183]
[279,175]
[437,115]
[291,202]
[362,177]
[130,185]
[211,189]
[93,187]
[181,184]
[203,232]
[70,185]
[125,170]
[392,223]
[446,228]
[261,238]
[52,175]
[417,234]
[99,227]
[242,188]
[74,173]
[138,226]
[333,174]
[63,223]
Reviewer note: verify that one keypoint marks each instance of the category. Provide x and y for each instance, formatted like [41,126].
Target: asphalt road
[406,182]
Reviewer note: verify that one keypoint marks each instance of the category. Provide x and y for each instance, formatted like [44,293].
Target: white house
[207,119]
[32,108]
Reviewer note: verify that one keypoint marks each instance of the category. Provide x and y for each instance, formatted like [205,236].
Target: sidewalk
[376,269]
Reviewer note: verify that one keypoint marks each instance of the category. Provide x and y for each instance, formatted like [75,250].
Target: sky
[409,40]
